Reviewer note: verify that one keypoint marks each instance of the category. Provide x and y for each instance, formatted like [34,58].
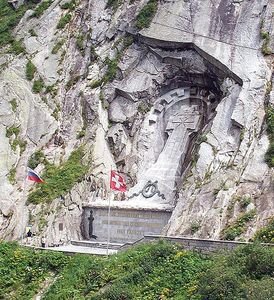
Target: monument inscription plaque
[125,224]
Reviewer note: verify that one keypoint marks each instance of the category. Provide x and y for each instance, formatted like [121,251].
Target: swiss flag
[117,182]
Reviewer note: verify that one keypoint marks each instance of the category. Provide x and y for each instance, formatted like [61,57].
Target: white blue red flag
[33,176]
[117,182]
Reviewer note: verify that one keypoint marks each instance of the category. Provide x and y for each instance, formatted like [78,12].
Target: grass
[64,21]
[69,5]
[269,156]
[39,10]
[13,104]
[80,42]
[146,14]
[30,70]
[11,176]
[146,272]
[57,46]
[38,86]
[60,179]
[266,234]
[23,270]
[36,158]
[238,227]
[266,38]
[9,18]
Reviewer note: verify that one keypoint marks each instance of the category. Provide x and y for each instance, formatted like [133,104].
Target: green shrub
[13,130]
[265,36]
[57,46]
[36,158]
[238,227]
[11,176]
[38,86]
[80,42]
[244,201]
[32,32]
[269,156]
[30,70]
[81,134]
[24,270]
[113,3]
[69,5]
[39,10]
[17,47]
[266,234]
[14,105]
[60,180]
[9,18]
[146,14]
[64,21]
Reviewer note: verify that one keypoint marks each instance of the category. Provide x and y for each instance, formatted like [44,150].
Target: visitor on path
[29,235]
[43,242]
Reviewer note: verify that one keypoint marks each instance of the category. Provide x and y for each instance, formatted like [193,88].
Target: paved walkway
[81,249]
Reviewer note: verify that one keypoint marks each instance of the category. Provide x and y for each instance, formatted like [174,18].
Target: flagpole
[108,214]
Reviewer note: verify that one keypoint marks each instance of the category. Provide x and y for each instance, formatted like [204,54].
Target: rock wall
[186,109]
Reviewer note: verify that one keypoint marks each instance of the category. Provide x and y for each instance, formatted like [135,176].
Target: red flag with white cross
[117,182]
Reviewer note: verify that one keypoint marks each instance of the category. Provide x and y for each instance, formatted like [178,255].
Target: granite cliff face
[181,102]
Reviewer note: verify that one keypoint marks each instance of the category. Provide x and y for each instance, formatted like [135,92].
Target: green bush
[269,156]
[14,105]
[60,180]
[23,270]
[64,21]
[39,10]
[69,5]
[57,46]
[238,227]
[17,47]
[80,42]
[38,86]
[266,234]
[30,70]
[11,176]
[36,158]
[32,32]
[9,18]
[13,130]
[146,14]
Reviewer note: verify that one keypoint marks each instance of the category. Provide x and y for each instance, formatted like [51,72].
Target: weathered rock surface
[186,110]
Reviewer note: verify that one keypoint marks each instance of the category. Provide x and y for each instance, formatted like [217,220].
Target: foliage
[80,42]
[64,21]
[265,36]
[36,158]
[269,156]
[59,180]
[13,104]
[146,272]
[266,234]
[57,46]
[9,18]
[146,14]
[81,133]
[113,3]
[11,175]
[32,32]
[239,226]
[244,201]
[13,130]
[194,227]
[17,47]
[39,10]
[23,270]
[38,86]
[30,70]
[69,5]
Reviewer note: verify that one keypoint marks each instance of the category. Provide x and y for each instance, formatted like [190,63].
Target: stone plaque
[125,225]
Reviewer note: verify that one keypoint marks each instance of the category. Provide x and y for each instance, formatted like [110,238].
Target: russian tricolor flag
[33,176]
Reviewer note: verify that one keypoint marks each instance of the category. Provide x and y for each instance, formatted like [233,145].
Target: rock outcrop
[178,107]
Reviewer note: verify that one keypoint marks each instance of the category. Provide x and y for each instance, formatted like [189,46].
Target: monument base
[124,224]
